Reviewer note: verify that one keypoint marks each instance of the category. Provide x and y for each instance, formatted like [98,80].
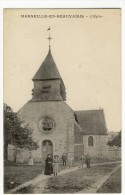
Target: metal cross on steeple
[49,38]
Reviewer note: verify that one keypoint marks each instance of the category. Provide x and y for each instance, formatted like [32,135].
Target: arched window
[90,141]
[47,142]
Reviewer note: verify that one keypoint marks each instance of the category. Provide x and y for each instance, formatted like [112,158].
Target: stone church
[57,128]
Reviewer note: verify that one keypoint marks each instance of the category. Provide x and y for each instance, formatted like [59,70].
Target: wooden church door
[78,151]
[47,148]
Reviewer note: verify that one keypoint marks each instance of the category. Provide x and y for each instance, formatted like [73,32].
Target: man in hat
[64,159]
[87,160]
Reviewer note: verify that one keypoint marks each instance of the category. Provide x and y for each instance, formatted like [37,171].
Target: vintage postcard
[62,101]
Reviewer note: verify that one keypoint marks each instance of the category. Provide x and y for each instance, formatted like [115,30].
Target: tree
[9,126]
[116,141]
[16,133]
[23,139]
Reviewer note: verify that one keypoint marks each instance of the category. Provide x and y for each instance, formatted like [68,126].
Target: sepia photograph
[62,100]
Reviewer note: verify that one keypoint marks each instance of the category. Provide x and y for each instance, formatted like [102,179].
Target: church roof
[48,69]
[92,122]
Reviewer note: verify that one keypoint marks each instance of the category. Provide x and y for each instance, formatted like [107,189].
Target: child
[56,165]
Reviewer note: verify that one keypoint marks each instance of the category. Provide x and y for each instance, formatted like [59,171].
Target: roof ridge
[89,110]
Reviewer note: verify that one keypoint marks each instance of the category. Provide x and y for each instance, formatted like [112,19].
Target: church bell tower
[48,84]
[50,118]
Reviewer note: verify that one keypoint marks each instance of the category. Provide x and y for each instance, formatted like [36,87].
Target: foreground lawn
[19,174]
[113,184]
[15,175]
[78,180]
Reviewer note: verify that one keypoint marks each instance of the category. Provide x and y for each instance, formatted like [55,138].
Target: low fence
[112,153]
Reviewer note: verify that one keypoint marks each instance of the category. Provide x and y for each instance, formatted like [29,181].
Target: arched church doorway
[47,148]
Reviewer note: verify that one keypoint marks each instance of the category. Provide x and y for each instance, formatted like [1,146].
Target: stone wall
[11,152]
[47,90]
[114,153]
[99,148]
[22,154]
[62,135]
[78,134]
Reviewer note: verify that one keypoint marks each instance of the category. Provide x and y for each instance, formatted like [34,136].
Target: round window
[46,124]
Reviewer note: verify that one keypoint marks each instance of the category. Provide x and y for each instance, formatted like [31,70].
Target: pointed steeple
[48,70]
[48,84]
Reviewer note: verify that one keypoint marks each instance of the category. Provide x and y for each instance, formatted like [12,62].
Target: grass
[95,160]
[113,184]
[15,175]
[25,190]
[77,180]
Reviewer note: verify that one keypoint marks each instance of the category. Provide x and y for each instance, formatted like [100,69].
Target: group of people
[85,159]
[52,165]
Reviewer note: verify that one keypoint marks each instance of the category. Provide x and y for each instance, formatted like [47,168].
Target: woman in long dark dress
[48,165]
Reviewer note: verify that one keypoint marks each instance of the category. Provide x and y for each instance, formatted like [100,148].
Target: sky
[86,47]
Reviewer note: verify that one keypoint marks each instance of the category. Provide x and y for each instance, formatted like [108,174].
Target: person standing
[48,165]
[82,159]
[70,162]
[87,160]
[56,165]
[31,159]
[64,159]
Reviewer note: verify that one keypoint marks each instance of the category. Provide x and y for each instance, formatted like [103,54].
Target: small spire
[49,38]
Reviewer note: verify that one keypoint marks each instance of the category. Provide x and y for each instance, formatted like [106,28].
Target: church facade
[57,128]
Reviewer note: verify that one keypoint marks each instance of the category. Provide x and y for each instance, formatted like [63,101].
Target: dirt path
[42,187]
[40,180]
[39,183]
[94,187]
